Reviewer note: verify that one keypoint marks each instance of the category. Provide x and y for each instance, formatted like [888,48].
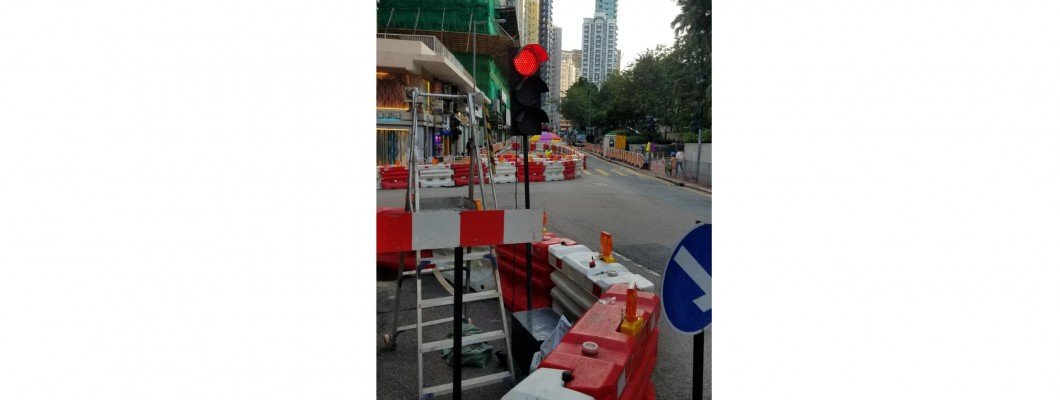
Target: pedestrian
[670,164]
[680,161]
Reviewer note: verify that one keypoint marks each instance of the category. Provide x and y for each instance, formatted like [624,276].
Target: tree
[582,105]
[670,83]
[693,29]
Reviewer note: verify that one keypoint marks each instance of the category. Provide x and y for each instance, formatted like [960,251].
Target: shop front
[441,128]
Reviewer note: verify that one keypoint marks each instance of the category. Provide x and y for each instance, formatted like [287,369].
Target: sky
[642,24]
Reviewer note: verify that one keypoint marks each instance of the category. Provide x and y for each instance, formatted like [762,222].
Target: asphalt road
[646,217]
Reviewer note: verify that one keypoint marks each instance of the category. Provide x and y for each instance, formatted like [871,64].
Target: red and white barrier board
[448,229]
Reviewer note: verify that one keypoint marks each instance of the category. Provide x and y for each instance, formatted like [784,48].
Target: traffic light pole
[529,258]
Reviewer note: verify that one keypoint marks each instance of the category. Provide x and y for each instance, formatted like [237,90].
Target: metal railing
[432,43]
[635,159]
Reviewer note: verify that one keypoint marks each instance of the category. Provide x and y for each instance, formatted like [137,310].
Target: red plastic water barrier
[511,260]
[394,177]
[515,296]
[650,393]
[622,365]
[461,171]
[537,171]
[568,170]
[540,249]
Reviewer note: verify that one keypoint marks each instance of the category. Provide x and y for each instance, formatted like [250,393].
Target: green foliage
[636,139]
[690,137]
[582,105]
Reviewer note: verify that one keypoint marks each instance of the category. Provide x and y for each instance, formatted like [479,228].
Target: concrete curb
[665,179]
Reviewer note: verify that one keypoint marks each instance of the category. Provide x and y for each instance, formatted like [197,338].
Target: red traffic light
[529,59]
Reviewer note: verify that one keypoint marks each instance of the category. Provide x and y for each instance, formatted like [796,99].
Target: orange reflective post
[633,323]
[605,247]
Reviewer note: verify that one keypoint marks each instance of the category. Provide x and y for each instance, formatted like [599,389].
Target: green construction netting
[450,16]
[488,77]
[439,15]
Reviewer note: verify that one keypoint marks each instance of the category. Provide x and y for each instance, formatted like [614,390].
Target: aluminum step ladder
[440,263]
[427,347]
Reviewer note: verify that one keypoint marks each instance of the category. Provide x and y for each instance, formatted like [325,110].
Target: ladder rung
[426,271]
[466,340]
[444,301]
[428,323]
[448,259]
[469,383]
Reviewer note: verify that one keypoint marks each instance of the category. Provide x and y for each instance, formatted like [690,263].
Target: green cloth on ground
[472,355]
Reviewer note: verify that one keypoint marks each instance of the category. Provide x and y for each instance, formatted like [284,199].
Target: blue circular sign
[686,283]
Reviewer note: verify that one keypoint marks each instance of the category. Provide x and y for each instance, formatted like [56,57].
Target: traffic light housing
[526,88]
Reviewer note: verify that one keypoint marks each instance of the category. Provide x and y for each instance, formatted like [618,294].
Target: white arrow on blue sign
[686,283]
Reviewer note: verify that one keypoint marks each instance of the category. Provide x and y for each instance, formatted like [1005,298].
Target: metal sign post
[458,320]
[686,295]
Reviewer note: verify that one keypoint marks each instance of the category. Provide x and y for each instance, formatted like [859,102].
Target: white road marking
[634,263]
[699,275]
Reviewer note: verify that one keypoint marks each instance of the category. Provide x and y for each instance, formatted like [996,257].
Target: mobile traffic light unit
[526,88]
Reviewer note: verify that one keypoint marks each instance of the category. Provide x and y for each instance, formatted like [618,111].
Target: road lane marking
[601,172]
[618,172]
[586,172]
[635,263]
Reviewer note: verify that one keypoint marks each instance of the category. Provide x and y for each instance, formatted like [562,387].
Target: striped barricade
[608,363]
[403,231]
[391,260]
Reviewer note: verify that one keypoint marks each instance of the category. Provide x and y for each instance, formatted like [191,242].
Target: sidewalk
[658,175]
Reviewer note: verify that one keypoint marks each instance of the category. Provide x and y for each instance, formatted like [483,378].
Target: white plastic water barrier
[553,171]
[431,176]
[574,300]
[505,173]
[544,383]
[574,261]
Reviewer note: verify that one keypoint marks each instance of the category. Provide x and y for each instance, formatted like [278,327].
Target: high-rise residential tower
[555,67]
[599,45]
[567,71]
[576,58]
[608,7]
